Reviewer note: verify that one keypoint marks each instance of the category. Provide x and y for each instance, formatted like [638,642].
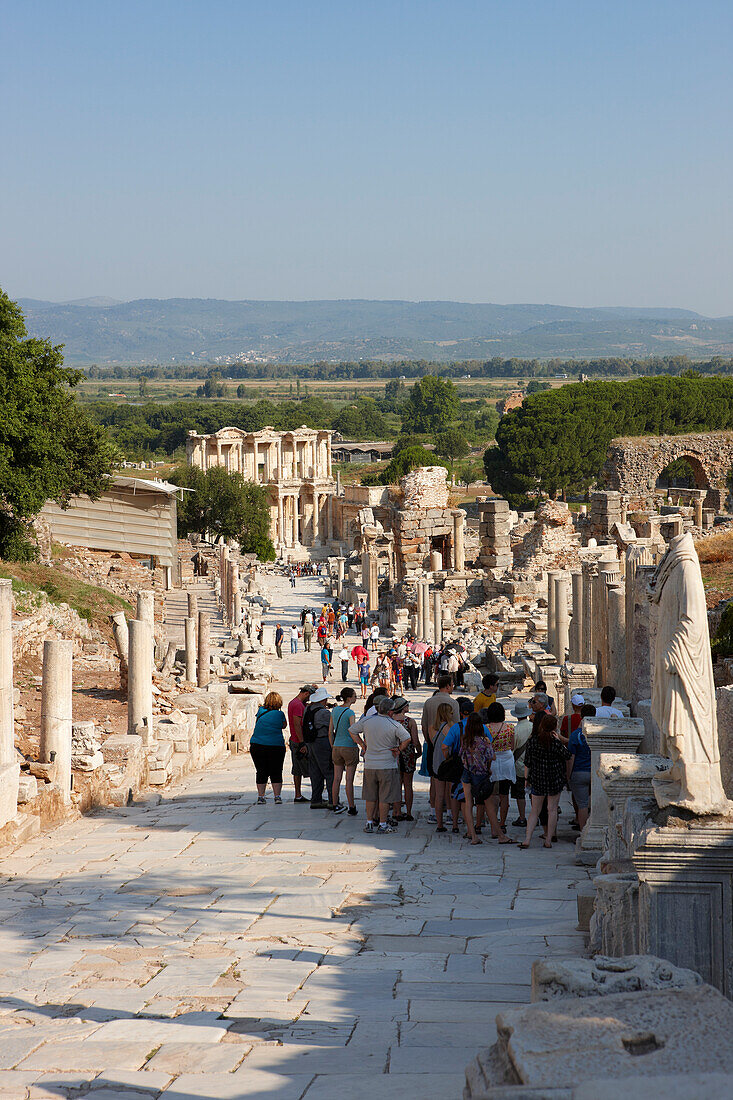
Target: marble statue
[683,693]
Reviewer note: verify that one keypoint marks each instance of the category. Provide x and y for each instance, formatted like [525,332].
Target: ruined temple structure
[294,466]
[633,466]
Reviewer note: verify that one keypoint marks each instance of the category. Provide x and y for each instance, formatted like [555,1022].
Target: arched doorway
[685,472]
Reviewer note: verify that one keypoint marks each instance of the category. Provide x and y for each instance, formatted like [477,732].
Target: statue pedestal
[624,778]
[684,866]
[604,735]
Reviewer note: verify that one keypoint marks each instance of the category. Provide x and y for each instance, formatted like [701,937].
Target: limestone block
[554,1043]
[123,749]
[163,754]
[9,781]
[27,788]
[603,976]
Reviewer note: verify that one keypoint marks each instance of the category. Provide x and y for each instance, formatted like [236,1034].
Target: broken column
[9,768]
[437,617]
[340,562]
[419,626]
[562,617]
[146,607]
[204,650]
[189,628]
[193,605]
[576,622]
[140,677]
[459,551]
[56,710]
[119,632]
[494,528]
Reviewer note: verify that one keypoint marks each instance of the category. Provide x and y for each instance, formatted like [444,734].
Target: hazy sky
[570,151]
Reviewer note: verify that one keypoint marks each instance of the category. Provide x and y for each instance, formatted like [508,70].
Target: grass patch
[91,602]
[716,549]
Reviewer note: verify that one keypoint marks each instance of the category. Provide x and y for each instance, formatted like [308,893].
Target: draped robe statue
[683,693]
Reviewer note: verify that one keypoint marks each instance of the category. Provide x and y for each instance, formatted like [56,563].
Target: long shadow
[342,1009]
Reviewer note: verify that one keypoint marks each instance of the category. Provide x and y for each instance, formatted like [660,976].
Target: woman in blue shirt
[579,776]
[267,747]
[344,750]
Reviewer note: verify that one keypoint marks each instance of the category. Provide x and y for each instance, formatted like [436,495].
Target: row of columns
[429,625]
[292,520]
[308,457]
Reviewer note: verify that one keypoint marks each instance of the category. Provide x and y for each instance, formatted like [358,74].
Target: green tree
[361,421]
[433,403]
[49,448]
[408,459]
[394,395]
[142,385]
[227,505]
[469,472]
[451,444]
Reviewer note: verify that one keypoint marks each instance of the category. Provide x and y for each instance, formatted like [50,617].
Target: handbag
[482,788]
[451,770]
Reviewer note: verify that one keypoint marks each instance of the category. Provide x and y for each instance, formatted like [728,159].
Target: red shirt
[296,709]
[575,720]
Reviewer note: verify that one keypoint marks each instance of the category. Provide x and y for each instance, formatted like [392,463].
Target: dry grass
[716,549]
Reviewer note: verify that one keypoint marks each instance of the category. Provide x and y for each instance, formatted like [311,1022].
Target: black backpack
[309,726]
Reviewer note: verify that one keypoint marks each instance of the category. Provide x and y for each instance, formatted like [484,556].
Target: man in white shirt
[294,635]
[344,656]
[608,694]
[374,635]
[384,737]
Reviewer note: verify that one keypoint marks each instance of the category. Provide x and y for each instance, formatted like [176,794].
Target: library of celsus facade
[294,466]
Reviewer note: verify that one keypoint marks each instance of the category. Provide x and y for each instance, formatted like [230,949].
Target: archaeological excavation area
[163,934]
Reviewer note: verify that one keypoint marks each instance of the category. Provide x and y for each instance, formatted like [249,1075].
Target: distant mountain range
[102,330]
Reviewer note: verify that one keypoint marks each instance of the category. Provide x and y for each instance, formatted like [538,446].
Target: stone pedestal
[204,650]
[685,870]
[56,710]
[623,778]
[436,561]
[605,735]
[140,676]
[576,677]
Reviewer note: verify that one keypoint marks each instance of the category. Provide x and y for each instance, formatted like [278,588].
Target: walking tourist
[326,660]
[503,768]
[364,677]
[344,656]
[307,631]
[267,747]
[442,787]
[317,734]
[294,635]
[279,635]
[298,748]
[545,764]
[606,709]
[345,751]
[374,635]
[522,734]
[579,774]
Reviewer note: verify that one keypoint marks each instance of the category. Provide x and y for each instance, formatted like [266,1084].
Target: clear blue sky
[571,151]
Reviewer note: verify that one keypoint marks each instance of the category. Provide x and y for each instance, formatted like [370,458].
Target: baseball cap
[577,700]
[310,688]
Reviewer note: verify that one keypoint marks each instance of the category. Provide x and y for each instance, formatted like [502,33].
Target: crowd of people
[477,756]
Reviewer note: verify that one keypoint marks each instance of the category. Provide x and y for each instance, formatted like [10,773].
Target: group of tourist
[477,756]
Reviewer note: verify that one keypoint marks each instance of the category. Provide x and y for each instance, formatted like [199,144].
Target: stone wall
[425,487]
[634,464]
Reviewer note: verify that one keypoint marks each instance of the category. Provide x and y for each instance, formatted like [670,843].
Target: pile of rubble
[552,541]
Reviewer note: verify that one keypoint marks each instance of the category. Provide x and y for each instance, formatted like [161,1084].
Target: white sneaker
[432,819]
[369,827]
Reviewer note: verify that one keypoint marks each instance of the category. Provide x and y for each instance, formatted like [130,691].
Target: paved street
[209,947]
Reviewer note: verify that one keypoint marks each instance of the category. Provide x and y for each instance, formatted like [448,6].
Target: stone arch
[699,473]
[633,465]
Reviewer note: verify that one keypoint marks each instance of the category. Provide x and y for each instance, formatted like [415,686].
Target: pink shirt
[296,709]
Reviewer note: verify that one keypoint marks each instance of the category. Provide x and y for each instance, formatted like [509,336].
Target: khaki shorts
[346,756]
[381,785]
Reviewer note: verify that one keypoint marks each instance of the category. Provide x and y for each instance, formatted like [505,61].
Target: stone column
[576,623]
[616,735]
[551,646]
[426,614]
[589,570]
[140,676]
[329,515]
[193,604]
[562,617]
[436,561]
[697,504]
[316,518]
[639,571]
[419,628]
[340,577]
[7,721]
[280,521]
[119,632]
[204,650]
[437,616]
[236,598]
[373,578]
[56,710]
[616,672]
[146,608]
[190,643]
[459,552]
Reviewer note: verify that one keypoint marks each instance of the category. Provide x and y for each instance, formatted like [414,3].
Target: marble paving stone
[177,1058]
[243,1084]
[357,1086]
[90,1056]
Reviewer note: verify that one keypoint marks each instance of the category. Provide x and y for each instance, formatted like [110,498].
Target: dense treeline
[498,367]
[559,439]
